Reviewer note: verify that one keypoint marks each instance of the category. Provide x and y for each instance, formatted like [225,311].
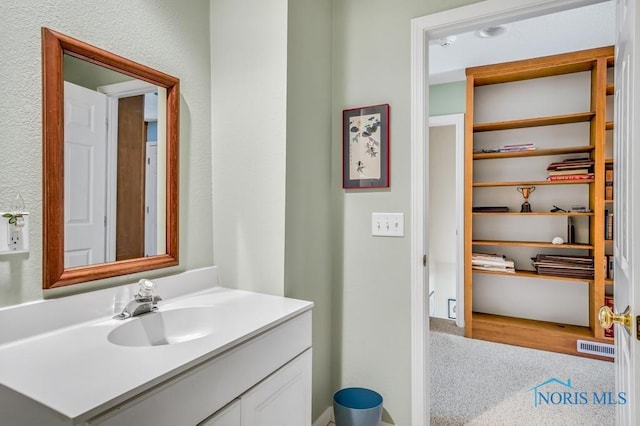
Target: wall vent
[597,348]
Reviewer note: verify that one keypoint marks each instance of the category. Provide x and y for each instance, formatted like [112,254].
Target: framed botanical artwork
[365,147]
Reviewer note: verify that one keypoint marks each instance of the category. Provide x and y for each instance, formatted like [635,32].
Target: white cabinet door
[282,399]
[228,416]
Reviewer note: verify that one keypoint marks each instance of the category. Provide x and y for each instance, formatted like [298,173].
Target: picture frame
[365,147]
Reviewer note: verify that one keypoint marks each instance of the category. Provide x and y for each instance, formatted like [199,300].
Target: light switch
[387,224]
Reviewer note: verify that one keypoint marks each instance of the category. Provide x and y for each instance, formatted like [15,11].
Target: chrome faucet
[142,303]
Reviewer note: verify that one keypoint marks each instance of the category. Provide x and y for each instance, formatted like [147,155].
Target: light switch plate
[387,224]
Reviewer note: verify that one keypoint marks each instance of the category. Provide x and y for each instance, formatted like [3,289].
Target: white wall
[152,33]
[442,217]
[249,107]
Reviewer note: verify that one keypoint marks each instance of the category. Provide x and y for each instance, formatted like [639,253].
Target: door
[85,162]
[627,223]
[282,399]
[131,178]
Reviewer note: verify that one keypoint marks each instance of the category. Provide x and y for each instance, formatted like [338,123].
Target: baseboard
[327,416]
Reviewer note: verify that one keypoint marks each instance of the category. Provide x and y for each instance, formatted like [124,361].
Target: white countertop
[76,371]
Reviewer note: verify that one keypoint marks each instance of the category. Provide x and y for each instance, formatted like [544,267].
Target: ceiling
[567,31]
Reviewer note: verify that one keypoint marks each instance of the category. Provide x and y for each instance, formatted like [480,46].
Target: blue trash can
[357,407]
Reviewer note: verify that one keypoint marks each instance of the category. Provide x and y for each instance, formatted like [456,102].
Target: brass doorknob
[607,317]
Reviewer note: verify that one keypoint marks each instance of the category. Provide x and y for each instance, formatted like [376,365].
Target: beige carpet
[474,382]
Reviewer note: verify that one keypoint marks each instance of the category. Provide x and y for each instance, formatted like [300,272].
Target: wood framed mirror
[110,196]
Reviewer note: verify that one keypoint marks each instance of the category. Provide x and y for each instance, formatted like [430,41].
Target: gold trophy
[526,191]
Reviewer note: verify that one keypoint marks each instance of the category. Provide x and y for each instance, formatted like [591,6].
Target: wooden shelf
[544,335]
[498,243]
[534,122]
[531,274]
[501,233]
[534,182]
[534,153]
[608,281]
[532,214]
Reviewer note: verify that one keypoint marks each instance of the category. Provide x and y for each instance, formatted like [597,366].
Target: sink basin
[167,327]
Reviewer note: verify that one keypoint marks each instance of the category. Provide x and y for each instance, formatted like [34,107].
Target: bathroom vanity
[208,356]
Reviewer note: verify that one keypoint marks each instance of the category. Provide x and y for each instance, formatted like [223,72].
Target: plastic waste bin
[357,407]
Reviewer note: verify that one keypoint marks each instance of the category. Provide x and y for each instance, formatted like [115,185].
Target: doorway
[446,174]
[424,29]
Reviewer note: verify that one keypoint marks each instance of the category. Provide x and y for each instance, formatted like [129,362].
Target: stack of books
[564,266]
[492,262]
[509,148]
[571,169]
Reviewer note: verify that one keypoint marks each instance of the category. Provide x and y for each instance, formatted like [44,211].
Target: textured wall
[167,35]
[371,289]
[308,224]
[249,107]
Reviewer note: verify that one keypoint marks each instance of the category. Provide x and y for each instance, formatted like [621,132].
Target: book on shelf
[568,172]
[507,148]
[610,270]
[564,266]
[492,262]
[493,269]
[608,301]
[490,209]
[571,163]
[608,266]
[608,184]
[608,224]
[583,176]
[505,263]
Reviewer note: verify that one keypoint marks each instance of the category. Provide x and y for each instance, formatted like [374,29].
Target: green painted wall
[371,276]
[160,43]
[447,98]
[308,224]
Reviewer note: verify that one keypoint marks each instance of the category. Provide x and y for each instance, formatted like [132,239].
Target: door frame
[456,120]
[435,26]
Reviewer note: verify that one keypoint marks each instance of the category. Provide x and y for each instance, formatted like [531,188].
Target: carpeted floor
[474,382]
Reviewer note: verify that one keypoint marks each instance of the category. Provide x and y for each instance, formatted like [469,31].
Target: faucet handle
[146,288]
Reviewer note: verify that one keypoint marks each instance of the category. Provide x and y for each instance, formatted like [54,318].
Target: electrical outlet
[15,238]
[452,305]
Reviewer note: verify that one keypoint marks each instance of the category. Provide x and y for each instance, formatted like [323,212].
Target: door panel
[627,222]
[131,178]
[85,147]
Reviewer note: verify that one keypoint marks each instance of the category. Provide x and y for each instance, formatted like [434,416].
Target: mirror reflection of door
[85,166]
[130,178]
[111,166]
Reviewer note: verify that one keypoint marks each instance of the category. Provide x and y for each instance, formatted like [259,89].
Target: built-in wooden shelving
[525,331]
